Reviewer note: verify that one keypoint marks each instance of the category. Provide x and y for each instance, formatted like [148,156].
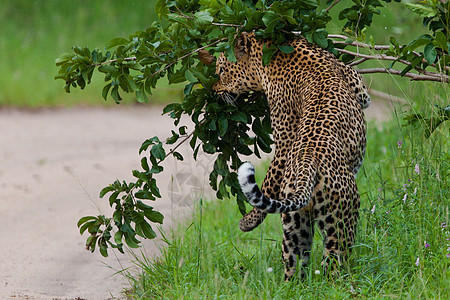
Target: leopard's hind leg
[298,232]
[338,219]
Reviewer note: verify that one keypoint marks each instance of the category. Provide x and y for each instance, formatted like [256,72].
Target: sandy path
[52,166]
[53,163]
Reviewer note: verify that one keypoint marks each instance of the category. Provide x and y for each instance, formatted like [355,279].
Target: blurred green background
[33,33]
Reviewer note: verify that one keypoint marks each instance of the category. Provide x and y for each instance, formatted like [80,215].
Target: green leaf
[105,91]
[202,18]
[240,200]
[142,205]
[158,151]
[223,126]
[430,53]
[268,53]
[144,164]
[286,49]
[161,9]
[270,19]
[189,76]
[141,96]
[103,249]
[154,188]
[113,198]
[85,219]
[239,116]
[145,230]
[320,38]
[106,190]
[131,241]
[152,141]
[188,88]
[154,216]
[116,42]
[118,237]
[88,225]
[421,10]
[441,41]
[107,69]
[178,156]
[115,94]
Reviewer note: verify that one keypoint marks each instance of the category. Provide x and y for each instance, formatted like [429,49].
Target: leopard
[316,105]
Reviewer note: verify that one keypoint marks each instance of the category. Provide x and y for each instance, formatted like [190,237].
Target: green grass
[402,248]
[34,33]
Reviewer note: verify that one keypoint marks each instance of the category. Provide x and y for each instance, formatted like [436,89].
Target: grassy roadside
[403,242]
[34,33]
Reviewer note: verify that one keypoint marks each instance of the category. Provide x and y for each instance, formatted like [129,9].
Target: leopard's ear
[242,47]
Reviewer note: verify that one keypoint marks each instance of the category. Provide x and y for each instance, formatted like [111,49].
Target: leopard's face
[235,78]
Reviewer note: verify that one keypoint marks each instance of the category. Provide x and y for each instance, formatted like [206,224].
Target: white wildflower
[317,272]
[417,262]
[373,210]
[417,169]
[269,270]
[404,198]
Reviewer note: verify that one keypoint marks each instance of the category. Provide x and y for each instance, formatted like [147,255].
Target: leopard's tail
[293,202]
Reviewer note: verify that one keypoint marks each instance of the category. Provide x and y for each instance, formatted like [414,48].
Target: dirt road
[53,164]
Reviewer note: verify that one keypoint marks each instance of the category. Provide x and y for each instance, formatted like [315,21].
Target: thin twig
[389,58]
[115,60]
[333,4]
[421,77]
[180,143]
[187,55]
[363,45]
[229,25]
[357,62]
[375,56]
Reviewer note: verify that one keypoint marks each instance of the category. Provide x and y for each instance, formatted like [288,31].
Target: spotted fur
[316,109]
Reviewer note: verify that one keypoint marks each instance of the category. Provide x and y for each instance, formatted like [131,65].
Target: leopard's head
[242,76]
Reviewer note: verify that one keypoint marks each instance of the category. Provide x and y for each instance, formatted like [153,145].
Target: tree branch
[333,4]
[415,77]
[364,45]
[375,56]
[114,60]
[355,43]
[187,55]
[357,62]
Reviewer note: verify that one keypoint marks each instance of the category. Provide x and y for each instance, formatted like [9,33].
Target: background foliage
[33,33]
[181,47]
